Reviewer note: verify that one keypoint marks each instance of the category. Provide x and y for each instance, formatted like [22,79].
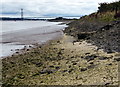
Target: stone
[47,71]
[103,58]
[91,66]
[110,64]
[57,67]
[91,57]
[83,69]
[70,70]
[38,64]
[91,63]
[87,53]
[27,49]
[70,66]
[72,57]
[20,76]
[64,71]
[117,59]
[82,35]
[51,66]
[17,52]
[74,63]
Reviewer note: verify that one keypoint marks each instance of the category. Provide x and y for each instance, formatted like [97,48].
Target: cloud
[50,7]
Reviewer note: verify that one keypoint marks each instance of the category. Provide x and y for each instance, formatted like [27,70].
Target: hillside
[101,28]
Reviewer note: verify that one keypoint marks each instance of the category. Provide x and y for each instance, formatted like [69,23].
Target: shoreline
[88,53]
[62,62]
[21,39]
[28,48]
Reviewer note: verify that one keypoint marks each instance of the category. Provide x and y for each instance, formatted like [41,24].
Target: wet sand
[18,39]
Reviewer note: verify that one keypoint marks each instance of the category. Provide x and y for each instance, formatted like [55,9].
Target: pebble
[103,58]
[47,71]
[117,59]
[83,69]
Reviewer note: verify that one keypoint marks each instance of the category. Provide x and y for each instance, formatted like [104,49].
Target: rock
[51,66]
[91,63]
[117,59]
[103,58]
[20,76]
[58,41]
[107,83]
[82,35]
[70,66]
[117,15]
[17,49]
[38,64]
[47,71]
[17,52]
[110,64]
[12,62]
[35,74]
[74,63]
[109,51]
[59,53]
[27,49]
[30,46]
[91,57]
[91,66]
[67,62]
[62,49]
[64,71]
[82,57]
[107,27]
[83,69]
[70,70]
[58,63]
[41,81]
[72,57]
[87,53]
[57,67]
[40,46]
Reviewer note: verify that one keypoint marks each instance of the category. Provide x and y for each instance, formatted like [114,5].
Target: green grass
[103,17]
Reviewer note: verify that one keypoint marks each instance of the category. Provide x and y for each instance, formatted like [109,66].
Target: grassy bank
[62,62]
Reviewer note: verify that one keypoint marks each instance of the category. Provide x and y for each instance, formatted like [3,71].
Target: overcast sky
[38,8]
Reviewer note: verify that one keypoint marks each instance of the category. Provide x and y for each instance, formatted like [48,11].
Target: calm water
[17,34]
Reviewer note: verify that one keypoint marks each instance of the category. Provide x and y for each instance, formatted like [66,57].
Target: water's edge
[11,43]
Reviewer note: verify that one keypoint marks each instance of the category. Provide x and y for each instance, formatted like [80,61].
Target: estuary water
[18,34]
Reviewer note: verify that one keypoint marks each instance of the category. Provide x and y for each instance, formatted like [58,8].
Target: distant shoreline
[38,19]
[18,19]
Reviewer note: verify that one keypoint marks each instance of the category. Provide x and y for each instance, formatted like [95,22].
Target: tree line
[114,6]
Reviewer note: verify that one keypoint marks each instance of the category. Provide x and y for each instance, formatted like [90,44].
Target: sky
[39,8]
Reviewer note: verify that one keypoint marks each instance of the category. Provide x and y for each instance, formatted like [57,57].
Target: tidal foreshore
[87,54]
[64,61]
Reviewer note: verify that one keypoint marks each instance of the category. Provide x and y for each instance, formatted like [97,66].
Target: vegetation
[107,12]
[104,7]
